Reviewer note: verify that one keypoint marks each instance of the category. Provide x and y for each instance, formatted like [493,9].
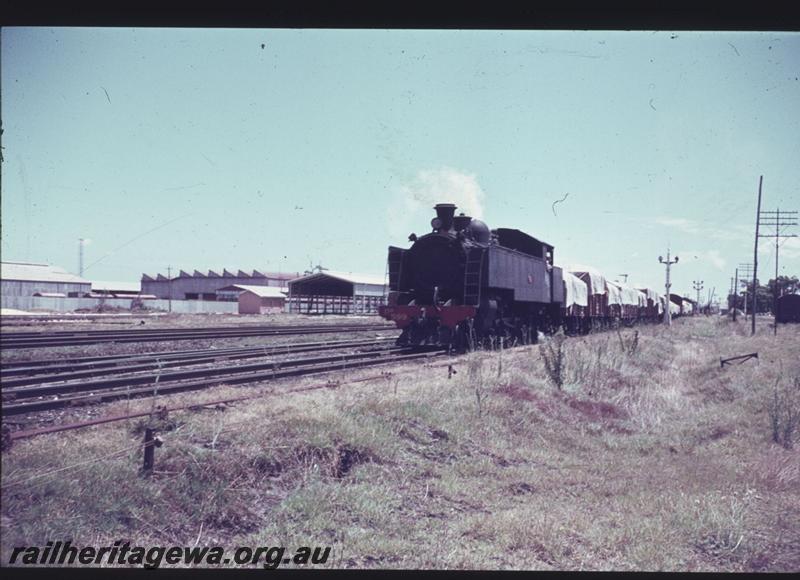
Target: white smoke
[429,187]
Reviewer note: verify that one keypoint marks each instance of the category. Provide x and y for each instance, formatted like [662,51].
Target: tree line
[764,294]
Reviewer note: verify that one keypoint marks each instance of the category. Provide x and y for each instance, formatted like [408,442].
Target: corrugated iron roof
[345,276]
[225,274]
[31,272]
[260,291]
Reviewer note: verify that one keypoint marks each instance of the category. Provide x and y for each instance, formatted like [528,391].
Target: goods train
[463,284]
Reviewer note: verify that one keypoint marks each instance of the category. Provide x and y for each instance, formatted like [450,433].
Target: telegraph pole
[697,286]
[779,219]
[667,263]
[80,257]
[169,286]
[755,254]
[735,294]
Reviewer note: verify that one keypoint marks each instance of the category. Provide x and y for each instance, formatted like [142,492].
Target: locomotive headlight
[436,223]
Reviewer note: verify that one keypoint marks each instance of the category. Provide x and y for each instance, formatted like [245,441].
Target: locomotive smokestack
[445,212]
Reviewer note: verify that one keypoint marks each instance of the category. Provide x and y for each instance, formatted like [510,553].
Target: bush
[630,345]
[784,412]
[554,358]
[475,379]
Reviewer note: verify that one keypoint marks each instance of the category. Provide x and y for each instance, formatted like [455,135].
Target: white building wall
[72,304]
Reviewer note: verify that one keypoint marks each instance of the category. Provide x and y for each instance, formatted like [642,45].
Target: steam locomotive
[464,283]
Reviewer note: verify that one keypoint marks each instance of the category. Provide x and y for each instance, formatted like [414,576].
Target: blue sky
[201,148]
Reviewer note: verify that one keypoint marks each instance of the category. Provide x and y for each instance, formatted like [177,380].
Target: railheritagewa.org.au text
[123,554]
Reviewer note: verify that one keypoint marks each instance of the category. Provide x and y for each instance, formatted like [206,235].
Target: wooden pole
[775,289]
[755,257]
[149,452]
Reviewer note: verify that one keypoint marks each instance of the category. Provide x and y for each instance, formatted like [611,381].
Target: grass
[646,458]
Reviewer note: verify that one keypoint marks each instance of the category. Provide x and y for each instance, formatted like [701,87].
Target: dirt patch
[517,392]
[522,488]
[597,410]
[422,434]
[439,435]
[719,433]
[614,428]
[614,379]
[347,458]
[268,466]
[716,389]
[438,456]
[716,434]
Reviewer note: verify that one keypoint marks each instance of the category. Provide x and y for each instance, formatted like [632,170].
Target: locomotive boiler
[463,284]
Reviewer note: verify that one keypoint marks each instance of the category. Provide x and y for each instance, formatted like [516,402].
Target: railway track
[28,397]
[38,319]
[15,340]
[65,365]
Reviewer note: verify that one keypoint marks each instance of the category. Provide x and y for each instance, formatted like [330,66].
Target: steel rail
[153,362]
[28,433]
[134,336]
[18,368]
[123,334]
[160,378]
[300,368]
[200,329]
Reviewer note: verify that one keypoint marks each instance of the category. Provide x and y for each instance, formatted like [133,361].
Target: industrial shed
[28,279]
[332,292]
[254,299]
[204,286]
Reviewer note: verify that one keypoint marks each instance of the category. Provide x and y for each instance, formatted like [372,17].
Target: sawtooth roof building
[204,286]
